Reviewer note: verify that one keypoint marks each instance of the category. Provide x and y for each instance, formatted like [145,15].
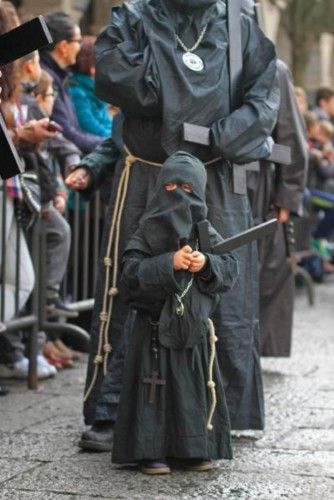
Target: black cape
[279,186]
[175,425]
[138,68]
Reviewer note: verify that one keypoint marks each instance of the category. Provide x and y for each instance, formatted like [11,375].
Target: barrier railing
[23,287]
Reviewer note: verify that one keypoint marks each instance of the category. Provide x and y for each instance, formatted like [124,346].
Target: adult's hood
[190,6]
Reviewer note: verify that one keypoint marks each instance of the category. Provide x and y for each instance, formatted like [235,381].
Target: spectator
[13,363]
[324,109]
[53,191]
[92,113]
[301,100]
[321,188]
[56,60]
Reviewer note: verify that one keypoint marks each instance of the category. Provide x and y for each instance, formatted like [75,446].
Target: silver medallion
[192,61]
[179,309]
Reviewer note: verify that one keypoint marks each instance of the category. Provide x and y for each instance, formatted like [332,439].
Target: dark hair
[324,94]
[61,27]
[85,58]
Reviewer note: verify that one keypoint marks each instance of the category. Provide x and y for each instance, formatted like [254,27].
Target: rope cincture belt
[111,265]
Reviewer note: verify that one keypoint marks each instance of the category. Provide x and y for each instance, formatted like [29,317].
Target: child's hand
[197,262]
[182,258]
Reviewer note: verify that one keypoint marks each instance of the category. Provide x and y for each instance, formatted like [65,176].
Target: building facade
[320,70]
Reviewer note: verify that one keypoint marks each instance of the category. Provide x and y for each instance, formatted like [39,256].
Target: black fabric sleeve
[219,274]
[125,70]
[244,135]
[99,162]
[290,131]
[147,279]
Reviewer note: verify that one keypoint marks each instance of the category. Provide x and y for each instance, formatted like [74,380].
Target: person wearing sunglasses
[57,60]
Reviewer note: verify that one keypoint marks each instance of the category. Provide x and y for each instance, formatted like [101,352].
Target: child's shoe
[198,465]
[154,467]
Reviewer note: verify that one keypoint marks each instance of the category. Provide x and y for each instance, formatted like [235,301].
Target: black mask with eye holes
[171,216]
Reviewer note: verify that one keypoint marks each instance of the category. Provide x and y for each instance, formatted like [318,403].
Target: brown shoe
[66,351]
[58,360]
[154,467]
[198,465]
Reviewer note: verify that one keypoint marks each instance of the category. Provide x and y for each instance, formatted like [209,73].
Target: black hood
[171,216]
[190,6]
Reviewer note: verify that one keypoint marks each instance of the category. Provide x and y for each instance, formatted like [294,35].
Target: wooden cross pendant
[154,381]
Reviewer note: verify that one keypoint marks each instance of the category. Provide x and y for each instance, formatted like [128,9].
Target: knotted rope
[111,262]
[211,384]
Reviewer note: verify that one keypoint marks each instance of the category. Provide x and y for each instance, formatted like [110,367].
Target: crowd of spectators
[319,196]
[55,119]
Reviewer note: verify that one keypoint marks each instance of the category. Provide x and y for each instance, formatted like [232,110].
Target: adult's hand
[79,179]
[35,131]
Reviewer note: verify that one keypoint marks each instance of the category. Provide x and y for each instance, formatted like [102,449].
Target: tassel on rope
[211,384]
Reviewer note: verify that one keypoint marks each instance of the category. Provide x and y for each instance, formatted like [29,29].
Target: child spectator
[53,197]
[301,98]
[92,113]
[324,109]
[174,288]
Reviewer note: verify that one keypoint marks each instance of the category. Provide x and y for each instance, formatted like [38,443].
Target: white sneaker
[42,362]
[20,369]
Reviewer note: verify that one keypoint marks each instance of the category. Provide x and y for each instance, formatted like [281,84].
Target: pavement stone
[293,458]
[9,469]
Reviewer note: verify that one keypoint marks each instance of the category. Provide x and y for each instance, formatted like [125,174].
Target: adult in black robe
[139,68]
[176,422]
[277,190]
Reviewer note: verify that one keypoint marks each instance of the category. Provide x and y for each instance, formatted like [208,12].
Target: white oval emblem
[192,61]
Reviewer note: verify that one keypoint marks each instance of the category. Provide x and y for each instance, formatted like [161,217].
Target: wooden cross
[201,135]
[154,381]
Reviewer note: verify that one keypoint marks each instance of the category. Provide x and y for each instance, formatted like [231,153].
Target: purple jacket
[63,111]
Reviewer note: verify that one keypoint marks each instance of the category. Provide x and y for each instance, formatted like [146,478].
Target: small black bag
[29,209]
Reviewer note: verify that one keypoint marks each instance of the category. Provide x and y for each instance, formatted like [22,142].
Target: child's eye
[170,186]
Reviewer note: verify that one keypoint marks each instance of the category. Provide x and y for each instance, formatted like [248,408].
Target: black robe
[140,69]
[175,425]
[282,187]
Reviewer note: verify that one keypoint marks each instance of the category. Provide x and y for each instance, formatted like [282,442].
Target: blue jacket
[63,111]
[92,113]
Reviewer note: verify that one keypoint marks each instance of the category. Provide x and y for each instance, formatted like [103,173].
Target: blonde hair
[44,83]
[327,128]
[300,92]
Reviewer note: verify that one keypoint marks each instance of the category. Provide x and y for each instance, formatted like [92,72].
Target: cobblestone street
[39,458]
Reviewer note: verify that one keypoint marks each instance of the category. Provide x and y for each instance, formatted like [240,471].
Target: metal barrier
[20,312]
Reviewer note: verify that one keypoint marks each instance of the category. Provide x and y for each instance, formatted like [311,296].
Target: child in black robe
[172,401]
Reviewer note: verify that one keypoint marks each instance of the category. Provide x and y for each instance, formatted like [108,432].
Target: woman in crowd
[92,113]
